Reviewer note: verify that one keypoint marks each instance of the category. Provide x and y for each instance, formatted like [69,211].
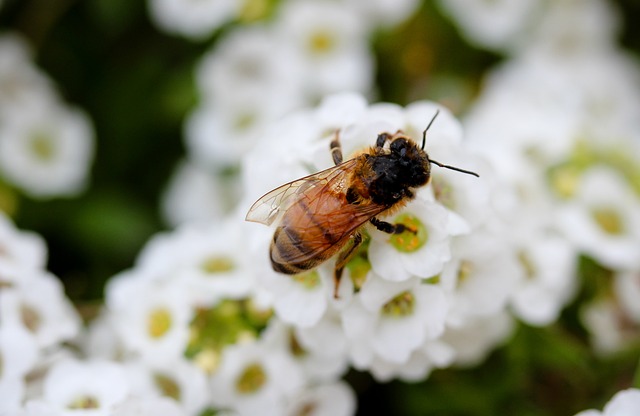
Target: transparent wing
[271,205]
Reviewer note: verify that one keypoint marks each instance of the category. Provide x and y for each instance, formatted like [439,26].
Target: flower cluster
[258,73]
[36,317]
[559,121]
[46,147]
[201,323]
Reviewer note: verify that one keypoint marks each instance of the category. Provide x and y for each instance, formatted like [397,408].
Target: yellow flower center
[84,402]
[609,220]
[252,379]
[42,146]
[411,239]
[30,318]
[167,386]
[159,322]
[401,305]
[218,264]
[321,42]
[308,280]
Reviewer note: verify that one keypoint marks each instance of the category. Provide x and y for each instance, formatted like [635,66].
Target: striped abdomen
[311,231]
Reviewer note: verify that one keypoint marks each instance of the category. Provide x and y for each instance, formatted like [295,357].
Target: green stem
[636,377]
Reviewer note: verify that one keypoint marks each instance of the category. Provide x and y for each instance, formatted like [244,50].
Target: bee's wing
[269,207]
[340,221]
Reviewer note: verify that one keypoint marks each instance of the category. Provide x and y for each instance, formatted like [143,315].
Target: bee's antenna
[424,133]
[454,168]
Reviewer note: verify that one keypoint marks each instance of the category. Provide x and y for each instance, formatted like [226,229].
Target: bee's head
[412,160]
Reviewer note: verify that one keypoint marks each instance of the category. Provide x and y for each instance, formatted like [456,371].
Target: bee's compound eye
[399,146]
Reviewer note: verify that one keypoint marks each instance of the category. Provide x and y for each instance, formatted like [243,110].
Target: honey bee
[322,214]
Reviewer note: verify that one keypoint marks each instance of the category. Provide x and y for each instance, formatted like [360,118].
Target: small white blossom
[191,19]
[320,351]
[423,259]
[331,41]
[22,248]
[46,149]
[385,13]
[138,406]
[150,317]
[391,320]
[476,338]
[21,81]
[433,354]
[251,64]
[336,399]
[35,300]
[194,195]
[72,386]
[492,24]
[608,325]
[208,259]
[176,378]
[603,219]
[255,379]
[626,286]
[549,263]
[623,403]
[19,353]
[480,278]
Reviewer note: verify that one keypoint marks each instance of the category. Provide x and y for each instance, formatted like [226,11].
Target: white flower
[626,286]
[492,24]
[608,326]
[570,28]
[481,276]
[22,248]
[151,317]
[46,149]
[623,403]
[19,353]
[476,338]
[255,379]
[208,259]
[220,134]
[194,195]
[193,19]
[336,399]
[301,299]
[549,263]
[251,64]
[35,300]
[138,406]
[398,257]
[100,339]
[529,105]
[91,387]
[21,81]
[603,219]
[392,320]
[433,354]
[385,12]
[320,351]
[331,41]
[175,378]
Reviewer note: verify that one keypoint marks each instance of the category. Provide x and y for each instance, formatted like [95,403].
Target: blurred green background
[137,85]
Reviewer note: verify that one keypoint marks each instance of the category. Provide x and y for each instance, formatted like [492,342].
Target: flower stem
[636,377]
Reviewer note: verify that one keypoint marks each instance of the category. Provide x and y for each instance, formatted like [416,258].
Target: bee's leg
[336,148]
[382,139]
[387,227]
[343,258]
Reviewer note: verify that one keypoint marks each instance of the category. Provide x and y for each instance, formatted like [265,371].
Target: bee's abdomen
[286,248]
